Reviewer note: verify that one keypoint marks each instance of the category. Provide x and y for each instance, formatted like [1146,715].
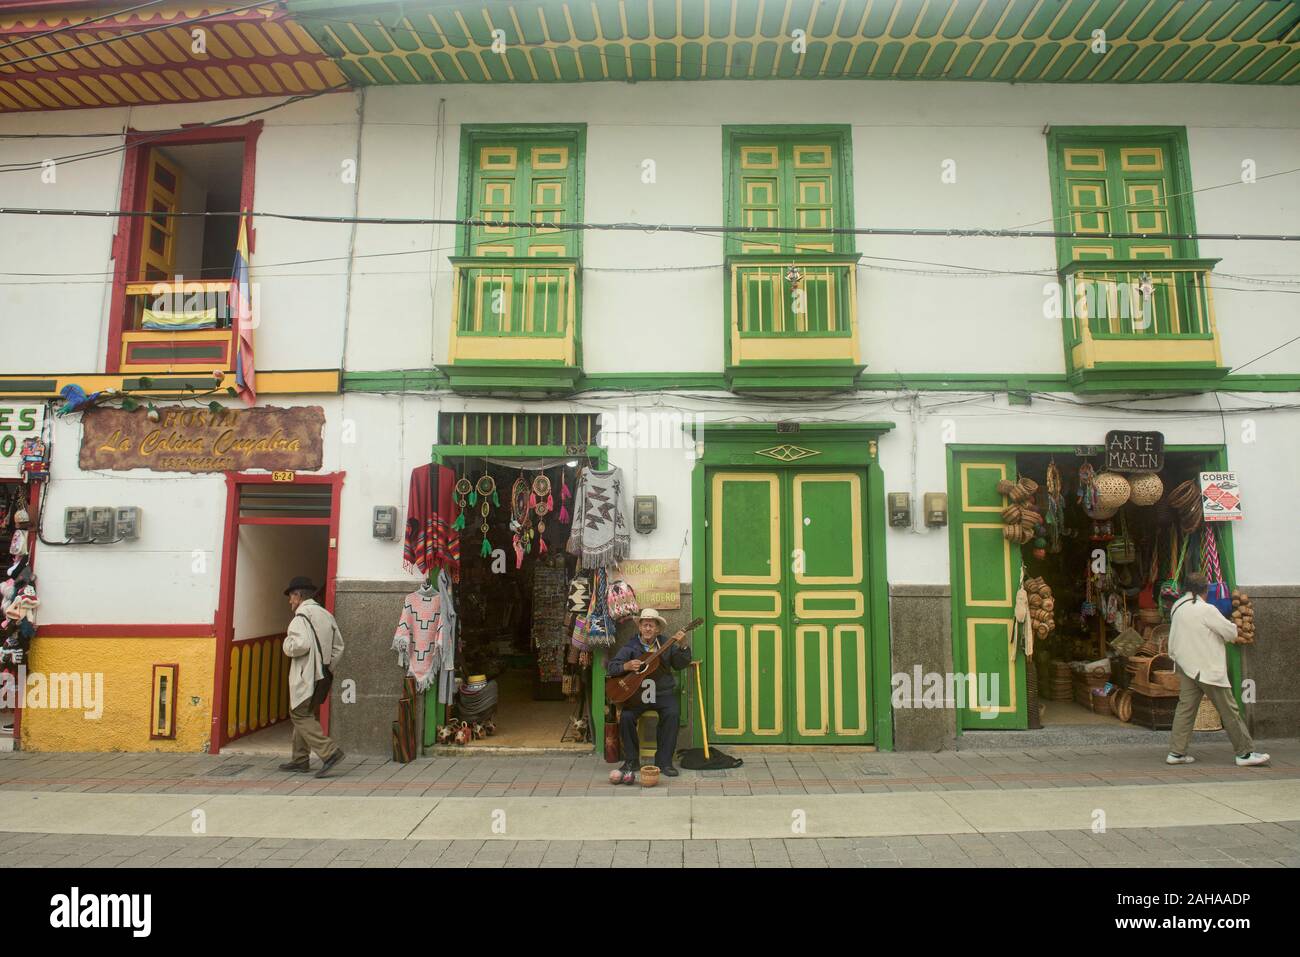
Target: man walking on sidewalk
[314,644]
[1197,632]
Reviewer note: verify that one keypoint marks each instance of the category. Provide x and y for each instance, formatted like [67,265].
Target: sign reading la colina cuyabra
[189,439]
[1135,451]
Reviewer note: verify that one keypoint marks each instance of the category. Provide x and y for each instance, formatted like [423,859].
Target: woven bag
[1207,716]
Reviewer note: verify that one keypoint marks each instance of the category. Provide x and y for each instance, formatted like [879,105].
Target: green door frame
[435,712]
[833,444]
[1218,461]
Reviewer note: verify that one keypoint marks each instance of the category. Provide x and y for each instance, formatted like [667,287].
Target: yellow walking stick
[699,696]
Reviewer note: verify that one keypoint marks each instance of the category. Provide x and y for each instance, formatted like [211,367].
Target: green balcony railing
[518,297]
[798,295]
[1143,300]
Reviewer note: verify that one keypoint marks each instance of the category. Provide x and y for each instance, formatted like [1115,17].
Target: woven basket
[1183,495]
[1146,488]
[1123,705]
[1113,490]
[1161,673]
[1149,616]
[1207,716]
[1029,485]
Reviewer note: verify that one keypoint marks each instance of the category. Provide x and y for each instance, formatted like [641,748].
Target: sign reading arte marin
[18,421]
[1135,451]
[189,439]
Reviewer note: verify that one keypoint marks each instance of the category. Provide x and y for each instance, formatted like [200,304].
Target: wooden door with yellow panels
[1112,187]
[789,183]
[523,180]
[158,238]
[985,577]
[788,655]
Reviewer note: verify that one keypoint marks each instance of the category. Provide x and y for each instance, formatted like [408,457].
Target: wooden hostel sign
[189,439]
[655,581]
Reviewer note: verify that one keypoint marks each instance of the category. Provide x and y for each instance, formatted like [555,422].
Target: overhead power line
[952,232]
[135,33]
[80,25]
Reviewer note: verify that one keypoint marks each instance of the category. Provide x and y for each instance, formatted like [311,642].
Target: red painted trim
[225,626]
[124,631]
[126,244]
[331,569]
[284,521]
[300,478]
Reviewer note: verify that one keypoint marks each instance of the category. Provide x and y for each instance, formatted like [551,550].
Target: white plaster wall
[300,157]
[171,573]
[269,557]
[931,321]
[393,436]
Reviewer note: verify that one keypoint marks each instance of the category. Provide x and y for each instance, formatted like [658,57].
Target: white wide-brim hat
[650,613]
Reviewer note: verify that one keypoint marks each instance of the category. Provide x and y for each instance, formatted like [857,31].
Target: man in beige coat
[312,633]
[1197,632]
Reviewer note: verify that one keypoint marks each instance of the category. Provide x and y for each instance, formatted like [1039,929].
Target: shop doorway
[787,606]
[1094,573]
[19,510]
[278,526]
[519,678]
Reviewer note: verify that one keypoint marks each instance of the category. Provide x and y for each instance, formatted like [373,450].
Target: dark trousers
[669,712]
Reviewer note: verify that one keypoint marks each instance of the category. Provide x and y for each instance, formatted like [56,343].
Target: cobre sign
[18,421]
[1135,451]
[188,439]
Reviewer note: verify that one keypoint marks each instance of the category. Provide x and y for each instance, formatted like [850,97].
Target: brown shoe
[329,762]
[299,767]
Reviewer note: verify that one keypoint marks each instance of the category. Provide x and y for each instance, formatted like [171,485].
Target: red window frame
[130,229]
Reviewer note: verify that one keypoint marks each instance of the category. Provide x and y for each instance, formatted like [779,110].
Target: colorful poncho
[600,535]
[421,637]
[430,541]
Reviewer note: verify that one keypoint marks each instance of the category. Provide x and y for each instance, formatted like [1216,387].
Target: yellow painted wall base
[127,667]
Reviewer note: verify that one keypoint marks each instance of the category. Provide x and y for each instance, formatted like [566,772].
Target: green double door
[985,578]
[788,658]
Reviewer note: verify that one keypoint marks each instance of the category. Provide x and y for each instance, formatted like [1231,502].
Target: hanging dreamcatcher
[1054,514]
[461,493]
[521,518]
[1087,492]
[542,503]
[485,496]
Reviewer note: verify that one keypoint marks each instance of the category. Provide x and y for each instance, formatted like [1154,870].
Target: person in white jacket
[312,643]
[1197,633]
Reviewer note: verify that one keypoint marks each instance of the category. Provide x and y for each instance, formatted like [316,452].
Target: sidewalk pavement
[765,772]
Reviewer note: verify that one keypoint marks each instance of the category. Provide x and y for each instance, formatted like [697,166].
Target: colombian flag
[242,319]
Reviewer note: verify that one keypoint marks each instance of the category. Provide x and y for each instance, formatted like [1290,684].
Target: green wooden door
[985,575]
[788,657]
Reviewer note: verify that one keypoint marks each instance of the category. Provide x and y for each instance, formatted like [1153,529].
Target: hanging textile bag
[1147,596]
[1172,587]
[1218,595]
[600,627]
[621,600]
[1121,549]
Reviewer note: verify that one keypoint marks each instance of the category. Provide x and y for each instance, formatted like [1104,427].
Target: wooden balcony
[177,326]
[1140,324]
[792,322]
[515,325]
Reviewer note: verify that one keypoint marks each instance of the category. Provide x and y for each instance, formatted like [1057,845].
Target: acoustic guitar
[620,688]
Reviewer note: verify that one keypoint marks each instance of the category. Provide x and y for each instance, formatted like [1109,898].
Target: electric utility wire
[80,25]
[62,51]
[155,135]
[951,232]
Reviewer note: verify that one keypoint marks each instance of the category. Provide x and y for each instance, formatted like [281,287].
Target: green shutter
[523,179]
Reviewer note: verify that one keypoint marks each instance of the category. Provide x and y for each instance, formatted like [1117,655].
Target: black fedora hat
[301,583]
